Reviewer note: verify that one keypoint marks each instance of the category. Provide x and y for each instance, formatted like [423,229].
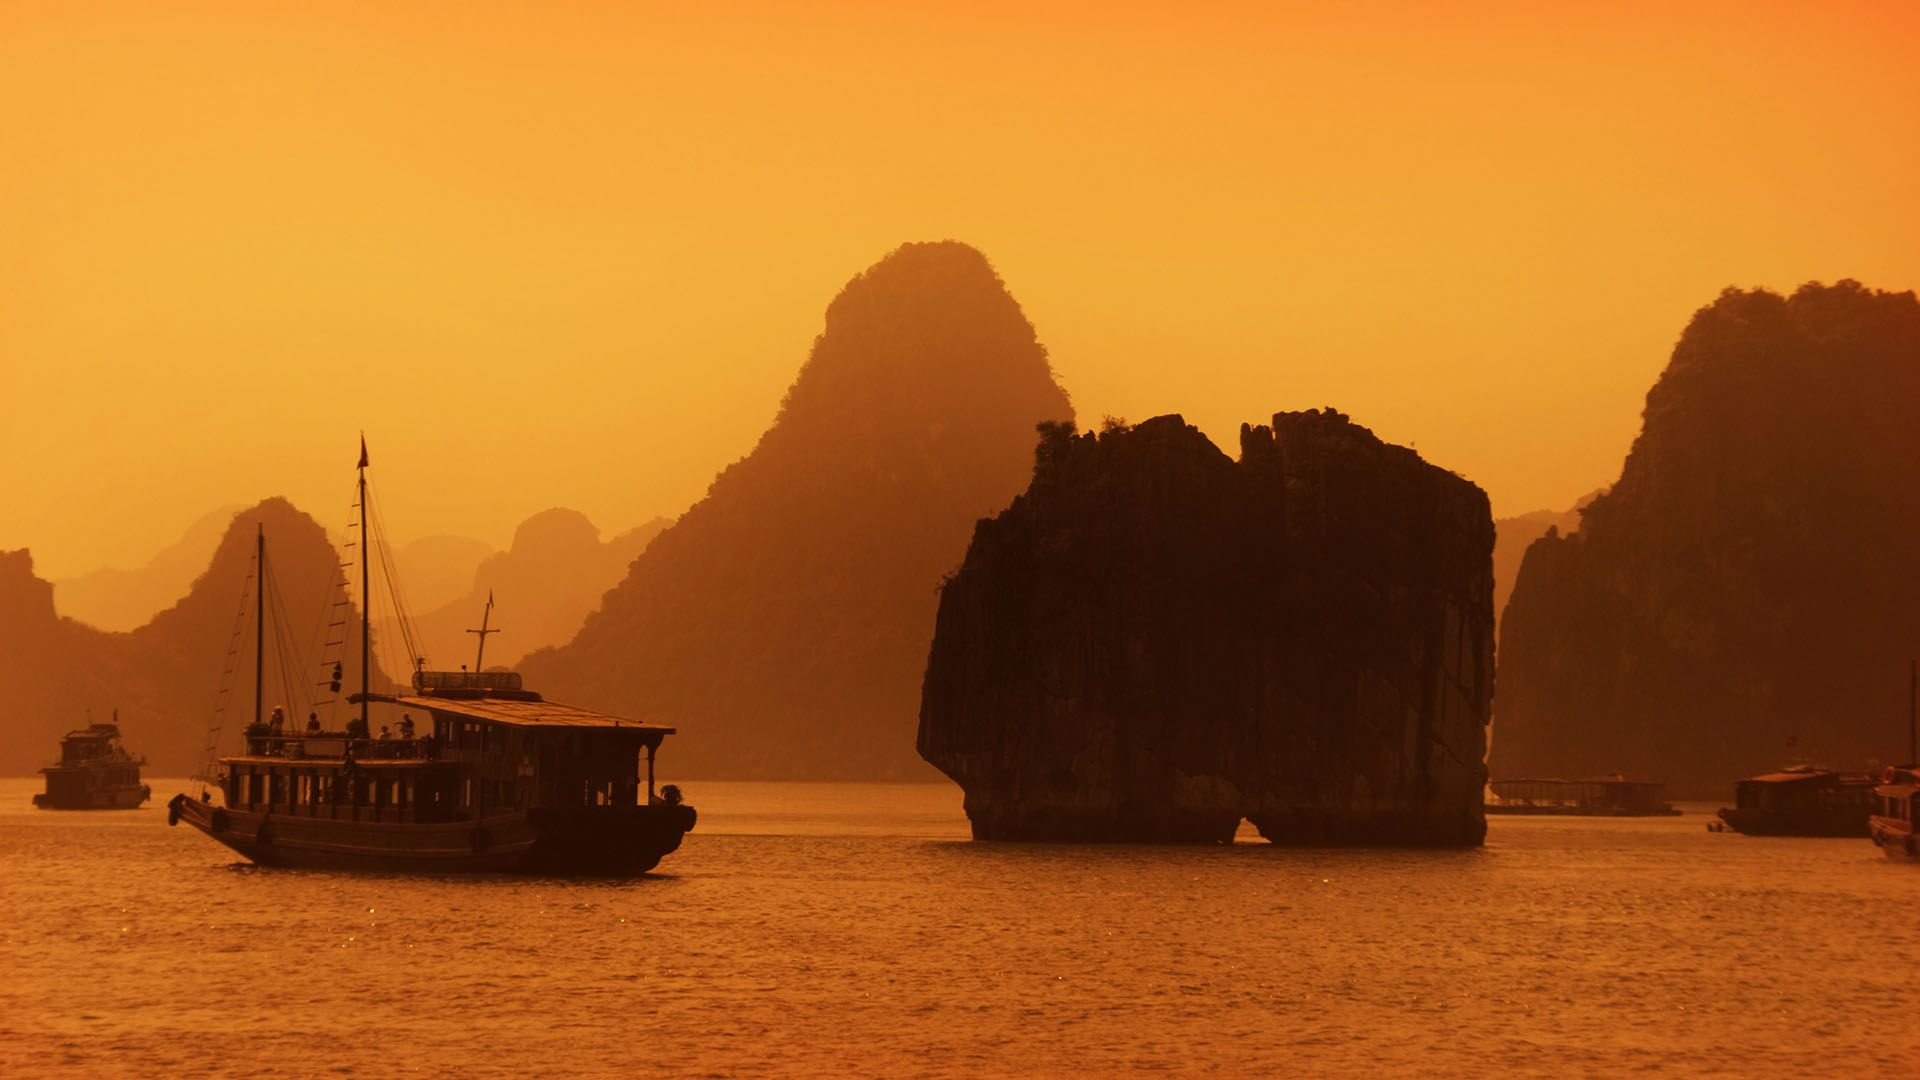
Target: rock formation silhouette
[544,585]
[1746,595]
[782,622]
[1156,641]
[164,677]
[117,599]
[438,570]
[1511,538]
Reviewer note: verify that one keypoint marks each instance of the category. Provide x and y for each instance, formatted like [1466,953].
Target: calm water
[852,930]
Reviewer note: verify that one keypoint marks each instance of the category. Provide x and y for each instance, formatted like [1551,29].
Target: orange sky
[572,254]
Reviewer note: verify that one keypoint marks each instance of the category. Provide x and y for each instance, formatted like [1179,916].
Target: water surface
[853,929]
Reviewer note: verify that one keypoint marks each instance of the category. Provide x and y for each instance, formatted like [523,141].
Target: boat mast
[366,595]
[259,615]
[1913,712]
[483,632]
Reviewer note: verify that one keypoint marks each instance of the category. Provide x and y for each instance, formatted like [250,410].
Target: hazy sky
[573,253]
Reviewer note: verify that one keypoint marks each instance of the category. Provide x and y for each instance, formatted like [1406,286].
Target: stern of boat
[607,839]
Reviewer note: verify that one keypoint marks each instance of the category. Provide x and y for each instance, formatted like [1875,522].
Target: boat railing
[337,744]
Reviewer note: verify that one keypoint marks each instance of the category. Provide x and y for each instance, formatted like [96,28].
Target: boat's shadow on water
[478,880]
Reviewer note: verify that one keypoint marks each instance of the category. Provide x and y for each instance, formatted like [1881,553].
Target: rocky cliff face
[782,621]
[1156,641]
[544,585]
[165,676]
[1747,594]
[1512,536]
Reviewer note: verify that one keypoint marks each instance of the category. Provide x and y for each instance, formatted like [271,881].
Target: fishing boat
[1801,801]
[1895,821]
[498,779]
[1598,796]
[94,772]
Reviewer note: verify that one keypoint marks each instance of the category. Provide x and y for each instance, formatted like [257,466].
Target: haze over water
[852,929]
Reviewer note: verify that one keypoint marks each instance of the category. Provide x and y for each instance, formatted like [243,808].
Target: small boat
[1896,813]
[94,772]
[1895,821]
[502,780]
[1599,796]
[1801,801]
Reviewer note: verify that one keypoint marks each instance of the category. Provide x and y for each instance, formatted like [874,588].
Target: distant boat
[504,780]
[1895,821]
[1897,813]
[94,773]
[1598,796]
[1801,801]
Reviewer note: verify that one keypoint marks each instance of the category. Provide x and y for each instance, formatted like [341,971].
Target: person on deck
[313,723]
[406,726]
[385,733]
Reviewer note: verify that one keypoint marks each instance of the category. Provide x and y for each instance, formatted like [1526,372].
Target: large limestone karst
[1748,594]
[782,621]
[543,586]
[1156,641]
[164,678]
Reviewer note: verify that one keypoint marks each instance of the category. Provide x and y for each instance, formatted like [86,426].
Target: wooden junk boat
[504,780]
[1801,801]
[94,773]
[1895,821]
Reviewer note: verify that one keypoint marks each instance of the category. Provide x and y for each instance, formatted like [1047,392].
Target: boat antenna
[485,616]
[259,615]
[366,593]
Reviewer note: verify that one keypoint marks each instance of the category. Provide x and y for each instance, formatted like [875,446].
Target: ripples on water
[852,929]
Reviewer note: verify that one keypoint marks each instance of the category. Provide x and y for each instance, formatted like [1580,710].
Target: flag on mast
[363,451]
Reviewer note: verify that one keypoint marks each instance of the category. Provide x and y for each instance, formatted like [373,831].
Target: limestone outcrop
[1156,641]
[1746,595]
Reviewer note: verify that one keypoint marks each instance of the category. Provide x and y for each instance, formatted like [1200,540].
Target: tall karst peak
[166,677]
[1744,596]
[783,620]
[919,337]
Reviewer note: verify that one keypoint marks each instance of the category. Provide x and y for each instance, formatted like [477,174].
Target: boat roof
[519,712]
[1793,776]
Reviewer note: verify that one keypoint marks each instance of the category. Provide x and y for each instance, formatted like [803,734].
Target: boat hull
[1836,822]
[130,798]
[1895,839]
[613,841]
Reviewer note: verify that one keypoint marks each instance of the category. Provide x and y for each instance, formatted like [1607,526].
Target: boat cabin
[491,746]
[1897,797]
[1804,790]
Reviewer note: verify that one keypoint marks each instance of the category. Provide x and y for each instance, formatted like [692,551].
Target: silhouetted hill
[438,570]
[544,586]
[116,599]
[1512,538]
[783,621]
[164,677]
[1747,594]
